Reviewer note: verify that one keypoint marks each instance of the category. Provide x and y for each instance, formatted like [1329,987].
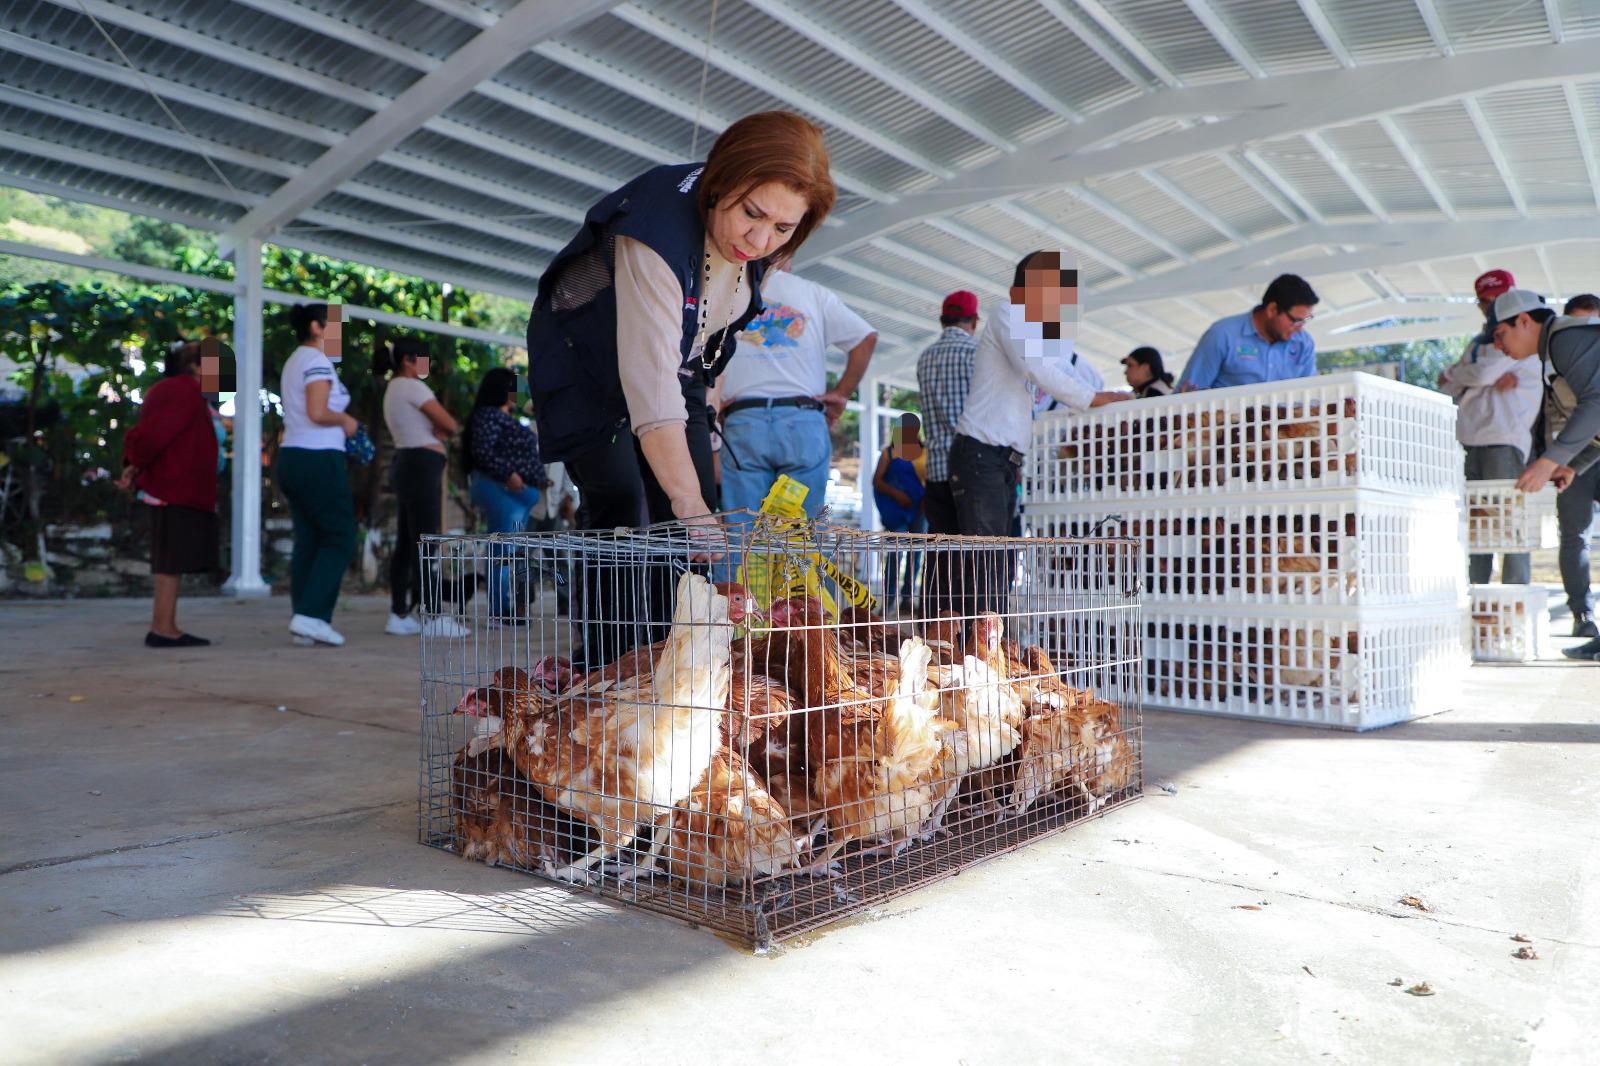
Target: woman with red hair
[636,317]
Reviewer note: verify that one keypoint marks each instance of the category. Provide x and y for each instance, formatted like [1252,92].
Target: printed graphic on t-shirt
[775,332]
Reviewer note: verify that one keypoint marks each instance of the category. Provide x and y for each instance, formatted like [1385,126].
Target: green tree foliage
[1420,362]
[83,353]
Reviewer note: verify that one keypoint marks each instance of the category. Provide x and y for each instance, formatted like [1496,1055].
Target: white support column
[867,438]
[245,580]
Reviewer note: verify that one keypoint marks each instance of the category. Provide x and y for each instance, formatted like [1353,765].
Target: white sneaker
[315,629]
[402,625]
[443,626]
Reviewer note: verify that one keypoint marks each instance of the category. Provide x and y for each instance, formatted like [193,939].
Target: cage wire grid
[720,723]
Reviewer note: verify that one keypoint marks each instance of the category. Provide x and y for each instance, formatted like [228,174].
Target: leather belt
[809,403]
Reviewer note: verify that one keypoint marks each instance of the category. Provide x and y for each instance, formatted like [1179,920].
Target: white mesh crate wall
[1348,669]
[1510,623]
[1341,431]
[697,763]
[1501,517]
[1358,548]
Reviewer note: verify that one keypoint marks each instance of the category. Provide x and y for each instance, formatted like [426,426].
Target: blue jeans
[891,563]
[505,512]
[760,443]
[1575,512]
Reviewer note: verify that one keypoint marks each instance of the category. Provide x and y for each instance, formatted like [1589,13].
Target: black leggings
[418,479]
[627,600]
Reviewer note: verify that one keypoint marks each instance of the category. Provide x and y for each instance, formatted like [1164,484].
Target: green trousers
[317,487]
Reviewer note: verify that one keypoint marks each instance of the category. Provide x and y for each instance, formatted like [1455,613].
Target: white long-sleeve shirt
[1486,415]
[999,408]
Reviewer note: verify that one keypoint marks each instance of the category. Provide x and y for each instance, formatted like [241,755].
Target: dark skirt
[183,540]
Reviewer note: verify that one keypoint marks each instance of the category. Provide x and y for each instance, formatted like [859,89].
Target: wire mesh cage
[720,722]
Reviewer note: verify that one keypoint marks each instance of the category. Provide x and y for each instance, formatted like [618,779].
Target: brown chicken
[728,830]
[985,711]
[502,821]
[1068,737]
[876,761]
[619,758]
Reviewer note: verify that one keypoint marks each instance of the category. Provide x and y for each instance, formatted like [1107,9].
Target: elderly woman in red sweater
[170,456]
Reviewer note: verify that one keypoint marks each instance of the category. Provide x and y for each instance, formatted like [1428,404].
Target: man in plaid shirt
[944,373]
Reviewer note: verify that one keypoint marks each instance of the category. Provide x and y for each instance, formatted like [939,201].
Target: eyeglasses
[1299,321]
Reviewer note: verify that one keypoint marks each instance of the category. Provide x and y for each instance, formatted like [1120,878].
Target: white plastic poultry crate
[1344,549]
[1510,623]
[1503,518]
[1342,431]
[1345,669]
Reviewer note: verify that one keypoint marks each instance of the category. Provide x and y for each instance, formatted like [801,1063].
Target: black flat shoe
[182,640]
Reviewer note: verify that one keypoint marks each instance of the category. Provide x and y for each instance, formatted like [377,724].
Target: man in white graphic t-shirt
[775,402]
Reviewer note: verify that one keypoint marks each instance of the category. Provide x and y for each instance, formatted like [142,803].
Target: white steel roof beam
[622,81]
[1552,15]
[1497,155]
[1248,174]
[1431,19]
[996,64]
[1585,141]
[752,74]
[1261,110]
[1423,172]
[1312,9]
[1279,182]
[1225,36]
[993,286]
[1191,205]
[1094,39]
[1129,223]
[1347,175]
[869,63]
[1379,245]
[1432,275]
[1126,38]
[227,153]
[1055,231]
[1549,272]
[288,72]
[981,241]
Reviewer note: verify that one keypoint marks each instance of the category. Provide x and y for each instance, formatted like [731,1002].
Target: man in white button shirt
[1028,341]
[1497,400]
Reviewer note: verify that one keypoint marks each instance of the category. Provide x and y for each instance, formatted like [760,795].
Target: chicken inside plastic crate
[1353,549]
[727,730]
[1510,623]
[1349,669]
[1338,431]
[1501,517]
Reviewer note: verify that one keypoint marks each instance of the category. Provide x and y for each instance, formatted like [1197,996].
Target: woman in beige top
[419,425]
[637,316]
[635,319]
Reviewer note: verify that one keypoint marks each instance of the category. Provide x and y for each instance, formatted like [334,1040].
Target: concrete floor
[209,856]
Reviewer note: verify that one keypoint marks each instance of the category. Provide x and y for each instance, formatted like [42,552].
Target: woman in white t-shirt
[312,476]
[419,425]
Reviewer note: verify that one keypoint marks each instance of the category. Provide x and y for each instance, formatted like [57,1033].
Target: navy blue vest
[572,354]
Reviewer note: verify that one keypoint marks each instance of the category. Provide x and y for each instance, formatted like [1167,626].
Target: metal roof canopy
[1186,149]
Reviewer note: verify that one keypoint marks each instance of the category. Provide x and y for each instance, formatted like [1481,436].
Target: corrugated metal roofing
[486,189]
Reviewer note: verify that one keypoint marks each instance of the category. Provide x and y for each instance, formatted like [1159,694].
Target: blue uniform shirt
[1232,353]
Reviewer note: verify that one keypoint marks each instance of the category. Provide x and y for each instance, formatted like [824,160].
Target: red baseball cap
[962,304]
[1492,283]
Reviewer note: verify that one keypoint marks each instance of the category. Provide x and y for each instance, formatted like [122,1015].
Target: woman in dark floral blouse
[502,458]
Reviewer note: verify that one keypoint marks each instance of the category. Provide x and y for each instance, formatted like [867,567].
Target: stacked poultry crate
[1510,623]
[1302,543]
[722,728]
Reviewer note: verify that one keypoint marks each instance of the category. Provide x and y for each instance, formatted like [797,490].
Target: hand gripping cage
[720,724]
